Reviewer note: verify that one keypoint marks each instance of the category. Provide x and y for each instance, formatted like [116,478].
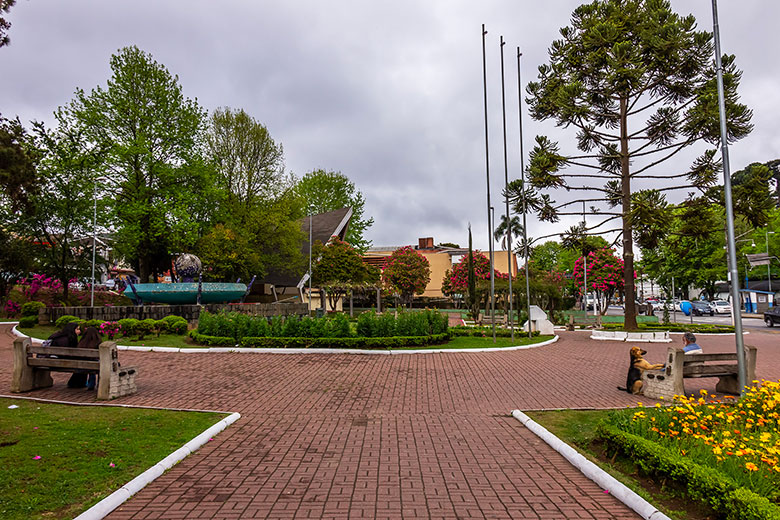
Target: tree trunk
[628,241]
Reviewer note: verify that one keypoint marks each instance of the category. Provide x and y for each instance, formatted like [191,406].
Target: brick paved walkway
[402,436]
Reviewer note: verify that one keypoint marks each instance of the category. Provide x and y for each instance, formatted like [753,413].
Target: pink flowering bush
[11,308]
[110,329]
[407,272]
[605,275]
[456,280]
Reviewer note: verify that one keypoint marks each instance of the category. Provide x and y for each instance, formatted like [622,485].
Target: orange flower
[751,467]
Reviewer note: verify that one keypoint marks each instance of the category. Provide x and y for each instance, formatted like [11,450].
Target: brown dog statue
[638,365]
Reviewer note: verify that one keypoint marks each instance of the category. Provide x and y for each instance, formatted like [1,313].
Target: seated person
[689,344]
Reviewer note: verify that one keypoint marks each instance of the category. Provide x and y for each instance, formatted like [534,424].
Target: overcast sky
[387,92]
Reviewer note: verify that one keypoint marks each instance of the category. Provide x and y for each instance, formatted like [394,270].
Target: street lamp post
[769,261]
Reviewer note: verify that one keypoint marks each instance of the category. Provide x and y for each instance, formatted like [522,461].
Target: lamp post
[94,240]
[487,176]
[522,178]
[732,251]
[769,261]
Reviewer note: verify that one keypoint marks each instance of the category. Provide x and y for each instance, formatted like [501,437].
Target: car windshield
[722,304]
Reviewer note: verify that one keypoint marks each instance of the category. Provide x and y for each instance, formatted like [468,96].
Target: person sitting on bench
[689,344]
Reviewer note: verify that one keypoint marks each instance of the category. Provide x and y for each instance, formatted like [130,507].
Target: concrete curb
[222,350]
[607,482]
[120,496]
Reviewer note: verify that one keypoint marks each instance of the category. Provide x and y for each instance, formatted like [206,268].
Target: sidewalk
[407,436]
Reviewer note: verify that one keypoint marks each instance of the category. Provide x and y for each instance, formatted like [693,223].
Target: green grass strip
[59,460]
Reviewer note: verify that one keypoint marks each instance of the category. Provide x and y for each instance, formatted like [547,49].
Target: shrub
[291,327]
[145,327]
[28,322]
[64,320]
[128,326]
[32,308]
[92,323]
[110,329]
[175,324]
[160,326]
[338,326]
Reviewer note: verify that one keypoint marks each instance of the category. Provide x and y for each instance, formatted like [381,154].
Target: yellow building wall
[440,262]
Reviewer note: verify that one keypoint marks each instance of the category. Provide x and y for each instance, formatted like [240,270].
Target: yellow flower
[751,467]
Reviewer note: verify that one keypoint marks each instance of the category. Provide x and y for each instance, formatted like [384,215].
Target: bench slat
[709,370]
[64,363]
[66,351]
[696,358]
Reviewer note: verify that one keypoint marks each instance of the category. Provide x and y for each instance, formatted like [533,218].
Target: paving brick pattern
[376,436]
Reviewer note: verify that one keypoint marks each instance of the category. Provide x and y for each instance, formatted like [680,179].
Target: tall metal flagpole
[487,173]
[522,181]
[585,264]
[310,237]
[506,196]
[732,250]
[94,240]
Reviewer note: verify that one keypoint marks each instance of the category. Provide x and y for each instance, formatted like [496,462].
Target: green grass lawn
[58,460]
[480,342]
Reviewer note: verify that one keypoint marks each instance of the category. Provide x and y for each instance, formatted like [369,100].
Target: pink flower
[37,457]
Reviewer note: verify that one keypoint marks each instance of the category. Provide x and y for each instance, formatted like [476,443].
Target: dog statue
[638,365]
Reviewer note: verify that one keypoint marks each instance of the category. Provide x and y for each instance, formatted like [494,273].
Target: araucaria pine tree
[637,82]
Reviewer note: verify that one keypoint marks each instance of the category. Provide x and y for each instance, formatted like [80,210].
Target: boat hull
[187,293]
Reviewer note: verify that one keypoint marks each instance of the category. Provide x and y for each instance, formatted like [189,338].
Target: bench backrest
[704,365]
[69,359]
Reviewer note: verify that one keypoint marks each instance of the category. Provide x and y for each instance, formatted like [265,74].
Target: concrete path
[402,436]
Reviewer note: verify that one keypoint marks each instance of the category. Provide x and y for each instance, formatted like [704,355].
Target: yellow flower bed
[739,437]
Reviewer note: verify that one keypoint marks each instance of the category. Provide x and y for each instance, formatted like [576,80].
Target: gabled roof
[323,227]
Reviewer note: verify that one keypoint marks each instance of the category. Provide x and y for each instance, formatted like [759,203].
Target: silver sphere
[188,266]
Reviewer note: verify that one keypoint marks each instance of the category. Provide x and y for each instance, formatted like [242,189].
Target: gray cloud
[389,93]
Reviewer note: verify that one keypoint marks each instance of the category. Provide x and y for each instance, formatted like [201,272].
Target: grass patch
[76,446]
[165,340]
[579,428]
[480,342]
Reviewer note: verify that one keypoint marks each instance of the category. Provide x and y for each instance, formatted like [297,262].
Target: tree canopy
[407,272]
[637,82]
[322,191]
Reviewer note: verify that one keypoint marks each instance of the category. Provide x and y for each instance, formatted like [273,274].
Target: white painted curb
[120,496]
[642,507]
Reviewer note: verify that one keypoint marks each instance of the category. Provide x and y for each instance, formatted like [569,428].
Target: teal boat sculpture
[187,293]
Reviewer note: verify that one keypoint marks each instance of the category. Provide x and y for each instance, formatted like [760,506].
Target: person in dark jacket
[67,337]
[91,338]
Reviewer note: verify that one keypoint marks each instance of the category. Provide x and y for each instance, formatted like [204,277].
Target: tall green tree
[637,82]
[148,135]
[18,160]
[249,163]
[322,191]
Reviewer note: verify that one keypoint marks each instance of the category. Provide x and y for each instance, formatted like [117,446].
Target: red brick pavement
[401,436]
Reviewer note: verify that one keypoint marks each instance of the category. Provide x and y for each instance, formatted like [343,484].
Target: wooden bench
[669,381]
[33,366]
[586,320]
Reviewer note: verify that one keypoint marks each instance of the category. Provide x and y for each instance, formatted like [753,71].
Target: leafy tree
[249,163]
[18,159]
[605,275]
[470,276]
[637,81]
[322,191]
[340,268]
[5,6]
[60,221]
[407,272]
[148,136]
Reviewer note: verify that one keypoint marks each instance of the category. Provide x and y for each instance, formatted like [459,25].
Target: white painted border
[209,350]
[604,480]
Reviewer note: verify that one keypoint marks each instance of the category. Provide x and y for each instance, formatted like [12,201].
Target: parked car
[772,316]
[700,308]
[722,307]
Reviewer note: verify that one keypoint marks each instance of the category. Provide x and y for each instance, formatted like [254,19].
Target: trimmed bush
[92,323]
[32,308]
[128,326]
[175,324]
[145,327]
[28,322]
[64,320]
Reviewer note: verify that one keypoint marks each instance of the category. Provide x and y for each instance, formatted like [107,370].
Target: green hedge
[702,483]
[676,327]
[32,308]
[299,342]
[28,322]
[368,325]
[64,320]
